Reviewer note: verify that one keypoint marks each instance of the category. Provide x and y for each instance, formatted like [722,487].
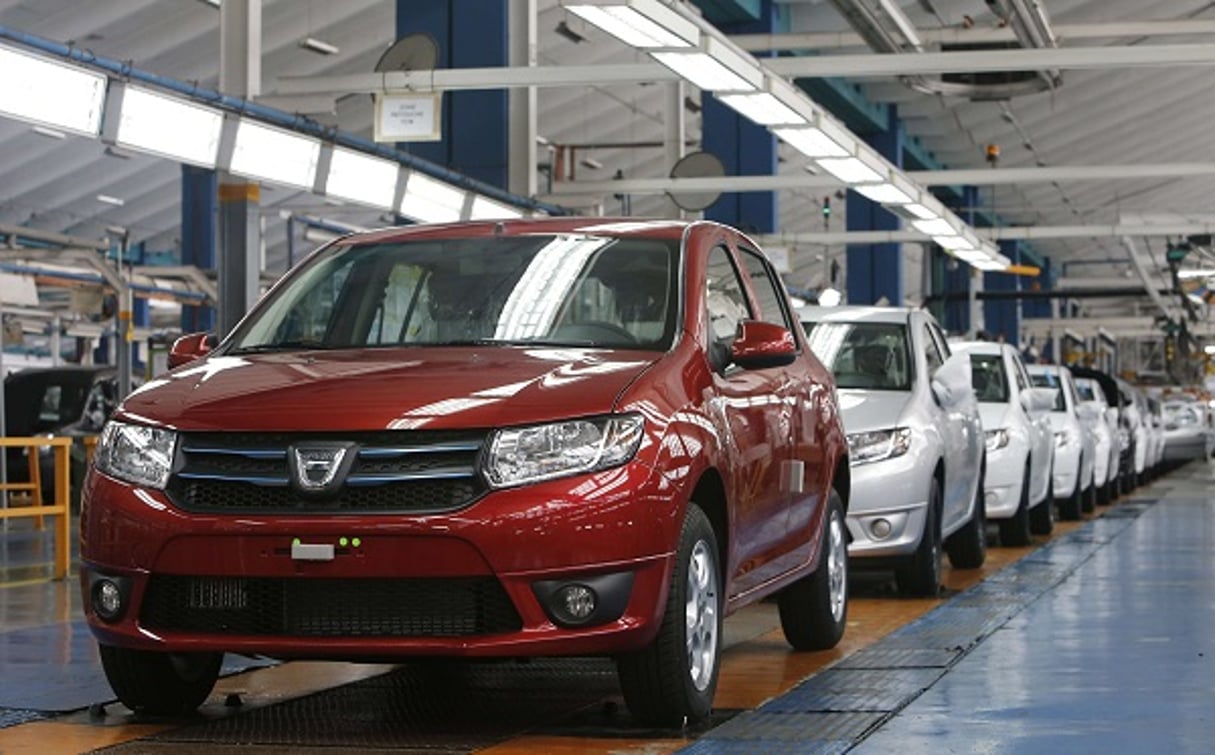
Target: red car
[544,437]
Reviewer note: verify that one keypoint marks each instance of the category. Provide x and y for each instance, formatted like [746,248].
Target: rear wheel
[814,609]
[967,547]
[1015,531]
[920,574]
[160,683]
[672,682]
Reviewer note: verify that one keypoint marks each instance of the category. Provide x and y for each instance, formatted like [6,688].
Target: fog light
[992,499]
[107,599]
[880,528]
[575,603]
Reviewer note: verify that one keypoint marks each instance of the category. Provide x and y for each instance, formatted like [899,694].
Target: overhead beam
[975,35]
[853,66]
[975,177]
[1007,233]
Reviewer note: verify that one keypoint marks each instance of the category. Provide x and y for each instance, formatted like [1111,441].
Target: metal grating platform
[15,716]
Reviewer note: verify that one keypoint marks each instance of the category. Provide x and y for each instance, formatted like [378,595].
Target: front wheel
[1071,508]
[920,573]
[1015,531]
[167,684]
[967,547]
[814,609]
[672,682]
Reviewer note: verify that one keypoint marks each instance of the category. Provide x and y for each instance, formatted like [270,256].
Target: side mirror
[1088,413]
[190,347]
[951,382]
[762,344]
[1039,399]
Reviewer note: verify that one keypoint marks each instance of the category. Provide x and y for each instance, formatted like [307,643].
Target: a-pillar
[475,125]
[875,271]
[1002,317]
[240,31]
[199,191]
[744,148]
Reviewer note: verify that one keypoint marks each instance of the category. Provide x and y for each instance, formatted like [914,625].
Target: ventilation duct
[885,28]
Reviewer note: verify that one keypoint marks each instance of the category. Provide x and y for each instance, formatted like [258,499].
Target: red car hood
[446,387]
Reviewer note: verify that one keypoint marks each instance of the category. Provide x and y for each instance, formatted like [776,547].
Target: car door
[744,404]
[1042,438]
[799,445]
[961,436]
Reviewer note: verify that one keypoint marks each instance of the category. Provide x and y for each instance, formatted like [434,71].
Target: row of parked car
[933,460]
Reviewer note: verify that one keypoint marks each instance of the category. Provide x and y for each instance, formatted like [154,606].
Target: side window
[724,296]
[932,352]
[942,342]
[767,290]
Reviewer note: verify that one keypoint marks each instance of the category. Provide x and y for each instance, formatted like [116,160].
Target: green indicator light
[342,542]
[296,541]
[356,542]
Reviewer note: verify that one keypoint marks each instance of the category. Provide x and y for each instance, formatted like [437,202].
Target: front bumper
[514,543]
[1067,470]
[1003,482]
[888,506]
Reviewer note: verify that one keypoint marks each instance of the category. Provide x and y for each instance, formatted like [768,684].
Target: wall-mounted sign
[408,117]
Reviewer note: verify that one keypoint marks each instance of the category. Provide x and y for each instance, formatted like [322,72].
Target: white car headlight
[996,439]
[522,455]
[1061,438]
[137,454]
[878,445]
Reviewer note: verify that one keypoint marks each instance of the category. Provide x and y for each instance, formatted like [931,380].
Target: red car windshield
[537,290]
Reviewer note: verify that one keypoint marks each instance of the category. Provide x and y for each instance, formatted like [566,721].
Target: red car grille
[404,471]
[447,607]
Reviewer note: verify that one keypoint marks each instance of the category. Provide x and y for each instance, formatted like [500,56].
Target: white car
[1187,431]
[915,441]
[1156,416]
[1136,424]
[1075,444]
[1105,427]
[1020,441]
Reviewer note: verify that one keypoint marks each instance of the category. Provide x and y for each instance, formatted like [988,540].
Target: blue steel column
[1003,316]
[470,34]
[744,148]
[199,190]
[875,271]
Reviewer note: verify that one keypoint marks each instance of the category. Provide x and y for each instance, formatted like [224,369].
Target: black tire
[1070,508]
[1088,503]
[668,684]
[1105,493]
[920,574]
[1015,531]
[967,547]
[814,609]
[166,684]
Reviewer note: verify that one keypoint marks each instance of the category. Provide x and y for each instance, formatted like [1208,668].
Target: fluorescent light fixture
[484,208]
[853,170]
[272,154]
[1183,274]
[430,200]
[763,108]
[318,46]
[956,243]
[107,199]
[824,139]
[168,126]
[212,3]
[898,190]
[920,211]
[647,24]
[1209,349]
[50,133]
[362,178]
[969,255]
[49,93]
[935,227]
[989,265]
[715,67]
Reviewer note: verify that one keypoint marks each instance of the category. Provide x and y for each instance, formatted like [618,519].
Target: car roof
[855,313]
[979,347]
[617,227]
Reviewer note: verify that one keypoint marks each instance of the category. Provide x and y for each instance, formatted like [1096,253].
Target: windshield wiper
[296,345]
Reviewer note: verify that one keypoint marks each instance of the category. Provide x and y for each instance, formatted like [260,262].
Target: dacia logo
[320,467]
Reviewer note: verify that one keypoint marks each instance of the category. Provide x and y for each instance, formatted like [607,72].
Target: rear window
[863,355]
[1085,389]
[988,378]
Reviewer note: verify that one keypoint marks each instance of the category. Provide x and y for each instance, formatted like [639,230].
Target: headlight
[1124,439]
[138,454]
[522,455]
[996,439]
[878,445]
[1061,438]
